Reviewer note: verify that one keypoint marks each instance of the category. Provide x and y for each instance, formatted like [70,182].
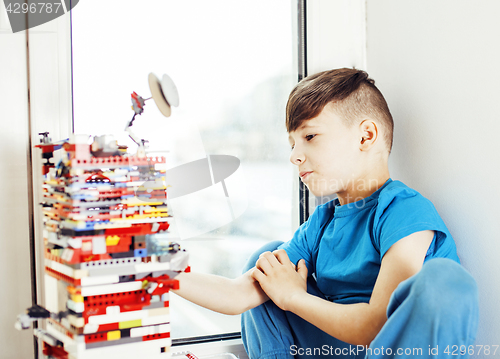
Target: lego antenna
[164,94]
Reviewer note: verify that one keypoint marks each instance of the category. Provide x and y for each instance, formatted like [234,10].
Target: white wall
[436,62]
[50,104]
[14,216]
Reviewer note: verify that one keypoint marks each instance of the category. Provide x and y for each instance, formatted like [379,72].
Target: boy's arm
[358,323]
[220,294]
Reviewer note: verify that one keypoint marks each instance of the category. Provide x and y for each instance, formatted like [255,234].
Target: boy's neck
[363,187]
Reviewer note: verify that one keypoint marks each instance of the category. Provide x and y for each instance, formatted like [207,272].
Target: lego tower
[108,263]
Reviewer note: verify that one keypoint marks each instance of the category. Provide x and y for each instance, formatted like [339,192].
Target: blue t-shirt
[343,246]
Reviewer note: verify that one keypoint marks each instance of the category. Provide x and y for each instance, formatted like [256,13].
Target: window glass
[232,64]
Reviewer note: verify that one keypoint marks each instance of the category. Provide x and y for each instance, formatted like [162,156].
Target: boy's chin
[320,192]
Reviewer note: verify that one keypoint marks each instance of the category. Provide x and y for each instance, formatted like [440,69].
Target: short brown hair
[352,92]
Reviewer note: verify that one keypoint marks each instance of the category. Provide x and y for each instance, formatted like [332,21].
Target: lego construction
[109,265]
[108,268]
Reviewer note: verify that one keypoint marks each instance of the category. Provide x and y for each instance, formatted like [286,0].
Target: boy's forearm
[220,294]
[356,324]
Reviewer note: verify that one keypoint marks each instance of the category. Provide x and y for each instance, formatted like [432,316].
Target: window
[232,64]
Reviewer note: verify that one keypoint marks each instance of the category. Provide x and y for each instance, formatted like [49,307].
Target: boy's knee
[268,247]
[446,284]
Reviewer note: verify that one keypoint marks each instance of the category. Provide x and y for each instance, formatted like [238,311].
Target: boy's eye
[309,137]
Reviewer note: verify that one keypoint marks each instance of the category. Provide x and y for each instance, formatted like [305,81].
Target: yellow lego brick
[156,210]
[137,202]
[77,298]
[112,240]
[130,324]
[114,335]
[73,290]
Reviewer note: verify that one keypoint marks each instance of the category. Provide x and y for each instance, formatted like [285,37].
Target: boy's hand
[279,278]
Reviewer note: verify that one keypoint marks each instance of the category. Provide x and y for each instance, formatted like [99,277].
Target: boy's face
[326,152]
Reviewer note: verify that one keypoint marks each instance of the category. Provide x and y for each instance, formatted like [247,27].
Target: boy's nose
[296,158]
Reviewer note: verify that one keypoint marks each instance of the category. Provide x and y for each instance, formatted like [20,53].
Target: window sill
[210,349]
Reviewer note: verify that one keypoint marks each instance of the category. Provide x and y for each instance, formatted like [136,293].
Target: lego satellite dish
[164,93]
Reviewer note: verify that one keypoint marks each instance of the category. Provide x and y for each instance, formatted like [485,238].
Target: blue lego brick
[140,252]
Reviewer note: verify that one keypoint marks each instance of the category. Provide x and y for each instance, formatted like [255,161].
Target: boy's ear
[369,134]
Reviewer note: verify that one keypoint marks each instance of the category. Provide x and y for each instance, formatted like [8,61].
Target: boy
[353,276]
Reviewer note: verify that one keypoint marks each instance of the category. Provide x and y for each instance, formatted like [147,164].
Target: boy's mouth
[303,175]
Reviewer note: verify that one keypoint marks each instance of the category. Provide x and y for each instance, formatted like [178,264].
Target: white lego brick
[147,349]
[75,321]
[107,279]
[74,242]
[79,273]
[99,245]
[116,318]
[87,246]
[158,311]
[46,337]
[90,328]
[140,221]
[114,224]
[111,263]
[62,328]
[78,348]
[160,166]
[179,261]
[61,268]
[137,332]
[58,335]
[160,319]
[164,328]
[75,307]
[67,254]
[151,330]
[111,288]
[54,239]
[135,183]
[147,316]
[152,267]
[51,295]
[113,310]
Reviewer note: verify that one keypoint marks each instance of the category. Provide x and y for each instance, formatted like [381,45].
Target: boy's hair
[351,91]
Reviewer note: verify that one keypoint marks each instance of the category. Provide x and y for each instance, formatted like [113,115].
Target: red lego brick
[155,336]
[64,277]
[55,352]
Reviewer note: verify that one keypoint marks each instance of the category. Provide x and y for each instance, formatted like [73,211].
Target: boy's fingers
[302,268]
[281,255]
[271,259]
[263,264]
[257,274]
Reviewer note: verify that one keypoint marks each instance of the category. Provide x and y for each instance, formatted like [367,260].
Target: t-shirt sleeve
[401,212]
